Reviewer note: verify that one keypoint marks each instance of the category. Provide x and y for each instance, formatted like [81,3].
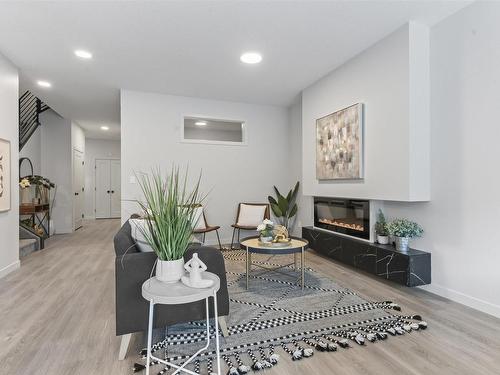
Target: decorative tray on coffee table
[281,243]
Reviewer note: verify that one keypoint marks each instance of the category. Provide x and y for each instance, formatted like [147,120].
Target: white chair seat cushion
[198,219]
[138,236]
[251,215]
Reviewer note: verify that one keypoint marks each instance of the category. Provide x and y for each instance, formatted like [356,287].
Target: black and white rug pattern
[275,316]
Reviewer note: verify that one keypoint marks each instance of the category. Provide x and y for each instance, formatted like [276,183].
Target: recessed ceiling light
[200,123]
[44,83]
[83,54]
[104,127]
[251,58]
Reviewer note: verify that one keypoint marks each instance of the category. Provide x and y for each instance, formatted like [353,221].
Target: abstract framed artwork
[4,175]
[339,144]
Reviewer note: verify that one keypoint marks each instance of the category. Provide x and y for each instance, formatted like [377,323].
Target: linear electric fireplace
[347,216]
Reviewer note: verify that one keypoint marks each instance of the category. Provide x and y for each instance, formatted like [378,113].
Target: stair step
[27,246]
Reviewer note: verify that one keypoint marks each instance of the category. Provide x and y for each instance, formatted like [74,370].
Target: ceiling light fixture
[200,123]
[44,83]
[104,127]
[83,54]
[251,58]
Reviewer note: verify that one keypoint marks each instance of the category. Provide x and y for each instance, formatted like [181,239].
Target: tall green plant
[169,207]
[284,208]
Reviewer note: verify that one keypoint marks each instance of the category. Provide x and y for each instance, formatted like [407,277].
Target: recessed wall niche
[209,130]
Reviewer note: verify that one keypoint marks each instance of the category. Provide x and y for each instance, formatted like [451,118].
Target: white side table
[177,293]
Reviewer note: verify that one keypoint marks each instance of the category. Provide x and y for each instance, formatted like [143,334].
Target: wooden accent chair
[249,215]
[202,226]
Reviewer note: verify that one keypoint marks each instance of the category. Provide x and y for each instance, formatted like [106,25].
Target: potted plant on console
[381,229]
[169,209]
[403,230]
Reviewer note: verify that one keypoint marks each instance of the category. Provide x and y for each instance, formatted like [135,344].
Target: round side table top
[253,245]
[178,293]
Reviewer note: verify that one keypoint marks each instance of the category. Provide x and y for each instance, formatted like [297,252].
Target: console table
[411,269]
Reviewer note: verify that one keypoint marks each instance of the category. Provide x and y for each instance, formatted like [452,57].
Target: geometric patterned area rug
[276,317]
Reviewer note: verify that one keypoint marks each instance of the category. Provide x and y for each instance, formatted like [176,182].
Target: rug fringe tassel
[379,329]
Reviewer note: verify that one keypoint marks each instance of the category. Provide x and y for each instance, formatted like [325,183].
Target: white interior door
[107,189]
[102,189]
[115,188]
[78,188]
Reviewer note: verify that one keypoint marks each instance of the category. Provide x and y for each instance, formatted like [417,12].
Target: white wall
[77,138]
[96,149]
[57,166]
[33,151]
[304,215]
[463,217]
[151,136]
[384,77]
[9,110]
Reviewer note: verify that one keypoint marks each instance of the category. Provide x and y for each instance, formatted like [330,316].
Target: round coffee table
[157,292]
[295,247]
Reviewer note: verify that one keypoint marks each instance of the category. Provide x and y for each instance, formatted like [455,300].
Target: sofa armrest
[131,270]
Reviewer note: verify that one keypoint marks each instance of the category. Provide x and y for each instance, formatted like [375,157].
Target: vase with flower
[265,230]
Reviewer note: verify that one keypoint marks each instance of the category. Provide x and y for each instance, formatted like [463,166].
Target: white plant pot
[383,240]
[402,244]
[266,239]
[169,271]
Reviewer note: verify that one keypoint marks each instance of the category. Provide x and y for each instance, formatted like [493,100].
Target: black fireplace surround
[347,216]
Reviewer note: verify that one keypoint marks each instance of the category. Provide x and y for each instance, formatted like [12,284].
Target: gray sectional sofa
[133,267]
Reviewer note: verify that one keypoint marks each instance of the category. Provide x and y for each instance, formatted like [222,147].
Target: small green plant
[169,207]
[284,208]
[404,228]
[381,224]
[266,228]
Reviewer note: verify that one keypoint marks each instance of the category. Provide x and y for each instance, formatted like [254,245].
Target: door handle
[76,193]
[108,191]
[112,191]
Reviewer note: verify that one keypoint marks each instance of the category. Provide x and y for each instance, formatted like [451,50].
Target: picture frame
[339,144]
[5,175]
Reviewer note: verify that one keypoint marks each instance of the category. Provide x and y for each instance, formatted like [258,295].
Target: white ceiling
[190,48]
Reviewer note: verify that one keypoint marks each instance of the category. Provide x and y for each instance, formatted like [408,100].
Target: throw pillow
[198,219]
[136,225]
[250,215]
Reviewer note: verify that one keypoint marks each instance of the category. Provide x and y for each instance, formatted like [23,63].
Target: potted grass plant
[169,208]
[403,230]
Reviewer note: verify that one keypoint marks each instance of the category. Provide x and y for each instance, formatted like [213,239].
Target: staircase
[30,108]
[29,241]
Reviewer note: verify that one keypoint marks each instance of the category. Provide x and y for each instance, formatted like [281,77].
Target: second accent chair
[248,217]
[202,226]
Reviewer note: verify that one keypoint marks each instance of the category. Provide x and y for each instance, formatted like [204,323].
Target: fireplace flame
[342,224]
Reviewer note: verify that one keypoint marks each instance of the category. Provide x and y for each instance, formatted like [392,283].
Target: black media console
[411,269]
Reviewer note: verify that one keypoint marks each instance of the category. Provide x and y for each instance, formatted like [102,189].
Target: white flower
[261,227]
[24,183]
[267,222]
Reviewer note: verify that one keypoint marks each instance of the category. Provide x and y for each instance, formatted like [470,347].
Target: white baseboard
[10,268]
[464,299]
